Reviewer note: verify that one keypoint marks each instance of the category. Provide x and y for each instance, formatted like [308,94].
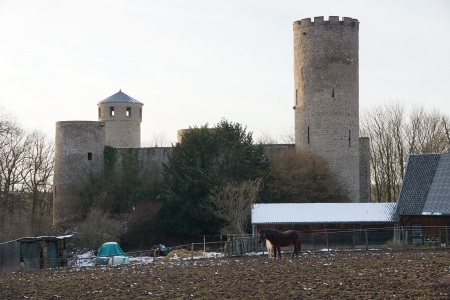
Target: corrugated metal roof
[284,213]
[120,97]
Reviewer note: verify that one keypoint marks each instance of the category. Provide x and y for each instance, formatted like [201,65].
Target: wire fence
[238,245]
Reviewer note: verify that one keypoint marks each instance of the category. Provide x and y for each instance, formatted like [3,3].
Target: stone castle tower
[78,156]
[122,115]
[326,76]
[79,148]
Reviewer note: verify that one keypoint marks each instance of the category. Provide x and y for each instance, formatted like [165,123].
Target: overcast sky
[195,62]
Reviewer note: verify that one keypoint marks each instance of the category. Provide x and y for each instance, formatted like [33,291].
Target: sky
[195,62]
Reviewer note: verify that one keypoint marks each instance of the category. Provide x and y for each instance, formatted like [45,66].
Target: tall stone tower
[122,115]
[78,160]
[326,75]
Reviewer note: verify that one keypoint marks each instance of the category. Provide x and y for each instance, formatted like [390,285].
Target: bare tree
[233,203]
[37,177]
[288,136]
[266,138]
[13,146]
[394,134]
[157,140]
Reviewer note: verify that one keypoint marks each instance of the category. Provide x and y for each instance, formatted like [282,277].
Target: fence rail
[238,245]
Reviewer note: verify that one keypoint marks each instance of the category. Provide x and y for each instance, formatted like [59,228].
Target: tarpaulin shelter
[111,254]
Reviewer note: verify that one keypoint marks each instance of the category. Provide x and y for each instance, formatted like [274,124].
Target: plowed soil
[382,274]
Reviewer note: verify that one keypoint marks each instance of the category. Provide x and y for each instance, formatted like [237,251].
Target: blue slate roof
[120,97]
[426,185]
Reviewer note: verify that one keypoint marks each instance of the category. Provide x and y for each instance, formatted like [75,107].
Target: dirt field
[413,274]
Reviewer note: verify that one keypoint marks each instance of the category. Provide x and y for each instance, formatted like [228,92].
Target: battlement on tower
[332,20]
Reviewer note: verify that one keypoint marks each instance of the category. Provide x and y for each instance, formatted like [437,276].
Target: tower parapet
[326,101]
[332,20]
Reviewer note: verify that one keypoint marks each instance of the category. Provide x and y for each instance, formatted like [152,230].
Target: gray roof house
[423,205]
[426,186]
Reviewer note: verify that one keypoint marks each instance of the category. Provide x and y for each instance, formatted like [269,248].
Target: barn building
[420,216]
[424,201]
[336,225]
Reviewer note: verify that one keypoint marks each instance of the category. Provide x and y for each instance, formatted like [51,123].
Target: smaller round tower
[122,115]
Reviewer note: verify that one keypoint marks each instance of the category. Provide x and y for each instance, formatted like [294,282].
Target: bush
[98,229]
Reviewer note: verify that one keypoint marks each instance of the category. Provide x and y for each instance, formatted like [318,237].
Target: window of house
[111,111]
[128,113]
[89,155]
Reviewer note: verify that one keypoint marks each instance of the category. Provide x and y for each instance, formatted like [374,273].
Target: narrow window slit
[332,95]
[308,134]
[349,138]
[89,155]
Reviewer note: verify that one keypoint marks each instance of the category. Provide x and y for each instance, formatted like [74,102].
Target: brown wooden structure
[33,253]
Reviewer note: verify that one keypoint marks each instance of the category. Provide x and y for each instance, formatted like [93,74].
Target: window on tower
[99,112]
[308,134]
[349,138]
[128,113]
[89,155]
[111,111]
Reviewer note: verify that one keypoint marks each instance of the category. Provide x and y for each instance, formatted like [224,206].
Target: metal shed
[33,253]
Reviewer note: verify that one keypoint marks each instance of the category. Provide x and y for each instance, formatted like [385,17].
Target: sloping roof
[302,213]
[426,185]
[120,97]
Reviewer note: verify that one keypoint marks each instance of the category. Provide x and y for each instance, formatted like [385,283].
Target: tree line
[396,131]
[209,182]
[26,170]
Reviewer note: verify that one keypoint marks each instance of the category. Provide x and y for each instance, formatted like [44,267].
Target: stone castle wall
[364,169]
[326,99]
[326,104]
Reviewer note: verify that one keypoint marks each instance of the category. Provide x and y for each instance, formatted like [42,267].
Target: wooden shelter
[33,253]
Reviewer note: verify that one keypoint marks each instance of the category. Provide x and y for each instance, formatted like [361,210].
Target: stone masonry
[326,100]
[326,119]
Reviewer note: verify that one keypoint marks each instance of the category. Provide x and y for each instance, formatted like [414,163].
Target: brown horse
[281,239]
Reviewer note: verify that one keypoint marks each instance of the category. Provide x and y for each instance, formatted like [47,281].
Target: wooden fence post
[192,251]
[367,240]
[446,236]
